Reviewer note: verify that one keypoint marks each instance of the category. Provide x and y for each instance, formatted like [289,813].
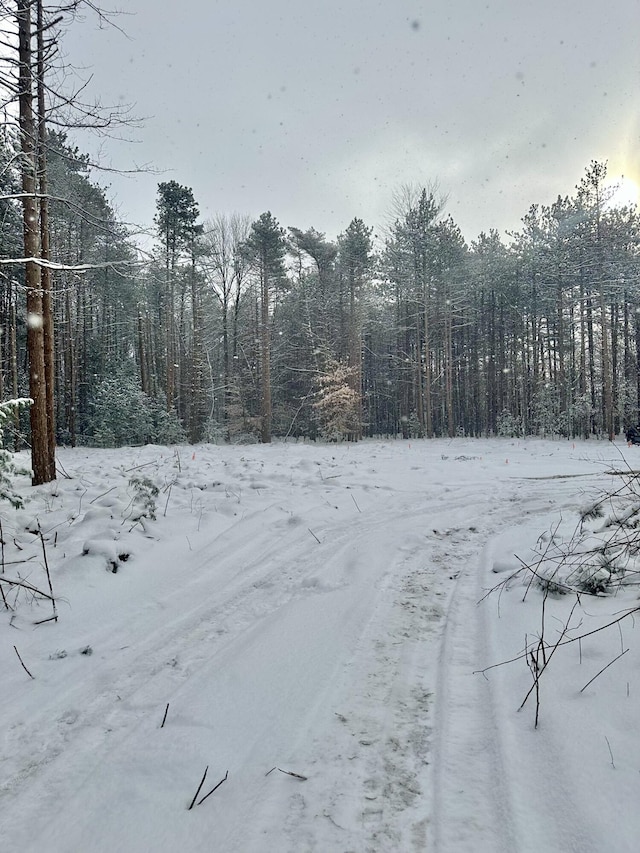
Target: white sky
[319,112]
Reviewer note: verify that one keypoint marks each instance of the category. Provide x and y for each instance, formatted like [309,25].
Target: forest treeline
[238,329]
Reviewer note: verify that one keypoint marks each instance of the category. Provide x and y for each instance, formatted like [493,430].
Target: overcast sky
[320,111]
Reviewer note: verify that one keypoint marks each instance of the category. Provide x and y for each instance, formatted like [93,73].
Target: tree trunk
[265,342]
[355,356]
[45,254]
[142,357]
[607,396]
[70,371]
[428,413]
[40,461]
[14,373]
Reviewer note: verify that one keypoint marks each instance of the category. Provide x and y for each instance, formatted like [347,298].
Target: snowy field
[311,625]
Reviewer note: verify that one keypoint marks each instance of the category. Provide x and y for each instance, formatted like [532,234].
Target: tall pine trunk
[45,254]
[265,346]
[40,460]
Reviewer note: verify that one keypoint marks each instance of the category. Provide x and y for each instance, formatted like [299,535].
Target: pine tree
[175,220]
[266,248]
[41,453]
[355,256]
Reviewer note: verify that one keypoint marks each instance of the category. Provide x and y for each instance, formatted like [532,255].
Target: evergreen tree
[355,259]
[266,249]
[175,220]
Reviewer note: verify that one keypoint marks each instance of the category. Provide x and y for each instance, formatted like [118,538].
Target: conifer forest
[243,328]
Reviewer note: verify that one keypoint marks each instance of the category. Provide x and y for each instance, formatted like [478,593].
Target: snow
[315,621]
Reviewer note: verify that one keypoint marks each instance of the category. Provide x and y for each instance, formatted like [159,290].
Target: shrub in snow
[8,468]
[599,557]
[120,413]
[416,429]
[549,583]
[336,403]
[584,564]
[145,493]
[591,511]
[107,548]
[508,425]
[215,432]
[592,580]
[167,428]
[545,410]
[244,438]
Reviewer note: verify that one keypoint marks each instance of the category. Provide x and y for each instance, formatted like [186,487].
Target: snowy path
[471,808]
[499,786]
[316,617]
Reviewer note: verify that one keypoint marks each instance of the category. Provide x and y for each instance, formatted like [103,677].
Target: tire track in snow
[249,603]
[475,807]
[247,588]
[372,735]
[122,691]
[546,813]
[471,812]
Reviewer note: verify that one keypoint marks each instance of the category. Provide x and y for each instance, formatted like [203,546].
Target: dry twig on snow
[22,662]
[215,788]
[195,796]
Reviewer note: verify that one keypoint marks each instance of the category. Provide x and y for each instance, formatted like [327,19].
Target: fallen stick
[97,497]
[166,711]
[215,788]
[60,467]
[22,662]
[27,586]
[167,503]
[295,775]
[610,752]
[137,467]
[195,796]
[288,773]
[603,669]
[48,619]
[46,566]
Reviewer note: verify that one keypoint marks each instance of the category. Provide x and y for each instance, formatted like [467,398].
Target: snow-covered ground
[310,624]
